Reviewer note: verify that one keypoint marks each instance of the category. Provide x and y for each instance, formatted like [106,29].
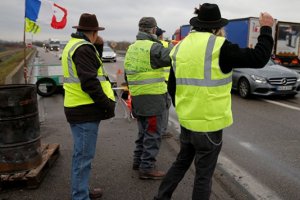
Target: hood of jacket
[147,36]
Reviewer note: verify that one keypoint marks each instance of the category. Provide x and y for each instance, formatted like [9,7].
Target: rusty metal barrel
[20,146]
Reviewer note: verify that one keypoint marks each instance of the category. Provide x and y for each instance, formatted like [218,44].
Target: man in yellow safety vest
[88,100]
[145,76]
[200,84]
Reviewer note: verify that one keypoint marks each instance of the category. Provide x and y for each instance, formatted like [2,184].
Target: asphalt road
[264,142]
[261,151]
[111,168]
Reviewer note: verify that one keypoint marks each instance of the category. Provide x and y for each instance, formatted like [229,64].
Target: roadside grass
[11,62]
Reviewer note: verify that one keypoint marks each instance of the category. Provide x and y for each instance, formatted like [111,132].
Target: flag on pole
[44,11]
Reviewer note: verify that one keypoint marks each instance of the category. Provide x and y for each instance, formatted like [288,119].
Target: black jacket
[87,66]
[232,56]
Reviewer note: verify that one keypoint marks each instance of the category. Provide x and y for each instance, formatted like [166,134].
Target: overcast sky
[120,17]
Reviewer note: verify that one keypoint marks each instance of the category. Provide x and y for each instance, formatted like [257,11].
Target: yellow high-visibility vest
[203,99]
[166,69]
[74,95]
[142,79]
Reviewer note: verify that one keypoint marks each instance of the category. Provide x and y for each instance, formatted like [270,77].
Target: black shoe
[135,166]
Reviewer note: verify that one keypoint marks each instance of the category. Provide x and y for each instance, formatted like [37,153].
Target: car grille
[283,81]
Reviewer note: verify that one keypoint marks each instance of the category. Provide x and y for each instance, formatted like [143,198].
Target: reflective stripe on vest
[142,79]
[147,81]
[74,96]
[203,99]
[207,81]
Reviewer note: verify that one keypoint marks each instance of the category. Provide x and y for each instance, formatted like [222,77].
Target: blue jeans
[85,138]
[204,149]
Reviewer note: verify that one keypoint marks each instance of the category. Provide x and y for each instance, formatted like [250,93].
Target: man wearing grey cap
[144,62]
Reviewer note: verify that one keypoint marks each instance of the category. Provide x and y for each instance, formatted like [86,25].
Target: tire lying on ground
[46,87]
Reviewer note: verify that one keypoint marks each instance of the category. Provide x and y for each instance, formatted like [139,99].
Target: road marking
[255,188]
[282,104]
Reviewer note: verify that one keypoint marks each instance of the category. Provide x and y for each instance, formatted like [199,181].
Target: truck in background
[287,45]
[181,33]
[245,32]
[53,45]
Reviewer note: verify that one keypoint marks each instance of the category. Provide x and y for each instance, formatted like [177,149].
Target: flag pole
[24,46]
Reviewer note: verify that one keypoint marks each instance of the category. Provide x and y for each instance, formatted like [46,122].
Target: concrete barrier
[8,79]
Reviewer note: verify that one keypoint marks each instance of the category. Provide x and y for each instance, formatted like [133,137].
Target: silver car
[108,54]
[273,79]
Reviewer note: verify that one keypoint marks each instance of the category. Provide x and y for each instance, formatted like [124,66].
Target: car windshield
[107,49]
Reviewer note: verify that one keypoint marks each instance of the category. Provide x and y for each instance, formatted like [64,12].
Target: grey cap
[147,22]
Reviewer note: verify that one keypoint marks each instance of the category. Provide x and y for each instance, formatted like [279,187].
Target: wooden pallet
[31,179]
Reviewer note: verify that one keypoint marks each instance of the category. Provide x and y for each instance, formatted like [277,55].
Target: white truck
[245,31]
[53,45]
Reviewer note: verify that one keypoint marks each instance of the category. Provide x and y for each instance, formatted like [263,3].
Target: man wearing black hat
[143,67]
[200,84]
[88,100]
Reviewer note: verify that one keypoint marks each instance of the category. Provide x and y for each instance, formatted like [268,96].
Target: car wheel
[244,88]
[46,87]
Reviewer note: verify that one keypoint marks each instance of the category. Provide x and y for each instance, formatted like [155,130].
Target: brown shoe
[95,193]
[154,175]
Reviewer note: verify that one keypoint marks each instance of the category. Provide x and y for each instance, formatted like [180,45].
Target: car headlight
[258,79]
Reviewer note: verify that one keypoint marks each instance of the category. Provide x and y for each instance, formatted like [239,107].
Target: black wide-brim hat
[209,16]
[88,22]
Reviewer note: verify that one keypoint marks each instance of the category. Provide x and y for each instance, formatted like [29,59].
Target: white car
[109,54]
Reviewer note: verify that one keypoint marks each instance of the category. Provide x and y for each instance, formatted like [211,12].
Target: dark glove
[112,106]
[110,110]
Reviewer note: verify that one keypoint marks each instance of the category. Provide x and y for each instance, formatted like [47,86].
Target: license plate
[289,87]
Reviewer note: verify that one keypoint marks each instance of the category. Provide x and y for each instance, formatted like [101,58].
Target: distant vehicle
[29,45]
[109,54]
[245,31]
[181,33]
[271,80]
[53,45]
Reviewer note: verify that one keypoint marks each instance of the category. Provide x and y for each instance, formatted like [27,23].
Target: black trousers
[205,148]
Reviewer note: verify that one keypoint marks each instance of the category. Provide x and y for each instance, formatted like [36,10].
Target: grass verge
[9,64]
